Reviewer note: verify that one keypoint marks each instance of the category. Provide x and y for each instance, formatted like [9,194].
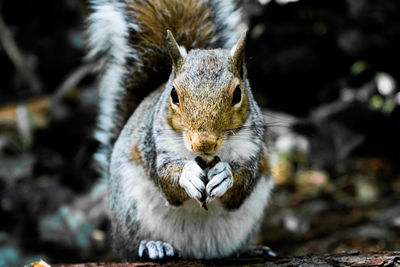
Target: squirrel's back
[129,38]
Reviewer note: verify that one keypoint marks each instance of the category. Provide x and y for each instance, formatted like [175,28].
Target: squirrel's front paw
[220,180]
[192,180]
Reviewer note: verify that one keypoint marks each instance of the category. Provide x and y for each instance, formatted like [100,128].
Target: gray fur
[140,207]
[109,30]
[135,189]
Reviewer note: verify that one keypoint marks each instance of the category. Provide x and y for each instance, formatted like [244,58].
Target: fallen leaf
[40,263]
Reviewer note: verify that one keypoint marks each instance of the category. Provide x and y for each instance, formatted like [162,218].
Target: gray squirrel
[187,169]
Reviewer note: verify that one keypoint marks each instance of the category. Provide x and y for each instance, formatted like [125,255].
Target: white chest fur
[192,230]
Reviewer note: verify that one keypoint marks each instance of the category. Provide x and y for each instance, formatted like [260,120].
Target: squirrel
[187,169]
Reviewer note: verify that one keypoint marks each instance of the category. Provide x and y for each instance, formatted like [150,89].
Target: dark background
[328,69]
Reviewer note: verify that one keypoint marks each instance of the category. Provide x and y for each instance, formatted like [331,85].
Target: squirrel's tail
[129,37]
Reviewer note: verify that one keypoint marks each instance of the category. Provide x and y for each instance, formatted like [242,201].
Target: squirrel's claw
[155,250]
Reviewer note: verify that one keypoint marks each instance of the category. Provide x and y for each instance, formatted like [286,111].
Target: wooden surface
[385,258]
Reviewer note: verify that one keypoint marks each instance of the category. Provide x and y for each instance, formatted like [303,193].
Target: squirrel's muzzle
[204,142]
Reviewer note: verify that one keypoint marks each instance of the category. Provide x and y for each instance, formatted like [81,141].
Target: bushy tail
[129,36]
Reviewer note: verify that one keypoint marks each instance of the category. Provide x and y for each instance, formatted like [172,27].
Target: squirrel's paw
[155,250]
[192,180]
[220,180]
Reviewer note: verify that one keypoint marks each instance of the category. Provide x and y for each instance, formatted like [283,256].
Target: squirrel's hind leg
[156,250]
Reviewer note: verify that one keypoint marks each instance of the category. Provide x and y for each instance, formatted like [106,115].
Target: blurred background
[326,74]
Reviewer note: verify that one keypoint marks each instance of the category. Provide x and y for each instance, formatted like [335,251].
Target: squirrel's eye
[174,96]
[237,95]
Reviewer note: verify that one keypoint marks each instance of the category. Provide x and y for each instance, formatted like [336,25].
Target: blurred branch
[12,51]
[37,108]
[73,80]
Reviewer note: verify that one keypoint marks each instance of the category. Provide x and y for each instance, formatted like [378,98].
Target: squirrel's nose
[206,143]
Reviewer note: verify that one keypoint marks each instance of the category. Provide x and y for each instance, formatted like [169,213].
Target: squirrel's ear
[237,54]
[175,52]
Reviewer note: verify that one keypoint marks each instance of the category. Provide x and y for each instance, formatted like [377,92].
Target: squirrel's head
[208,99]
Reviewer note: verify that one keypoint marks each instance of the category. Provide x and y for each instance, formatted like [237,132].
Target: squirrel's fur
[129,36]
[204,108]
